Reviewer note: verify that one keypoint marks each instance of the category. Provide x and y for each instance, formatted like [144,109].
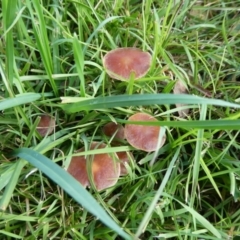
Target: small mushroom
[122,63]
[124,158]
[180,88]
[118,133]
[114,129]
[142,136]
[105,171]
[46,125]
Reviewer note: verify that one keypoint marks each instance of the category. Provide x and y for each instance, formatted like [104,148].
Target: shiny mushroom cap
[143,137]
[122,63]
[105,171]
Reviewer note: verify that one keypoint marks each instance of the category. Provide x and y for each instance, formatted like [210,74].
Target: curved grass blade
[69,185]
[141,100]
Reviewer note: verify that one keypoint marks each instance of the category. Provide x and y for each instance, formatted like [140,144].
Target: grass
[51,62]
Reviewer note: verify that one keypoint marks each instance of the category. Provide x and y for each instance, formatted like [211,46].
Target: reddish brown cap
[114,129]
[122,62]
[124,158]
[105,171]
[180,88]
[142,136]
[78,169]
[46,125]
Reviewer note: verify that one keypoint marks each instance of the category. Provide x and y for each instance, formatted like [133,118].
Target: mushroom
[117,131]
[114,129]
[121,63]
[143,137]
[124,158]
[180,88]
[46,125]
[78,169]
[105,171]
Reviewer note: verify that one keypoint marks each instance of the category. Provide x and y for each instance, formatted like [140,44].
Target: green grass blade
[196,162]
[11,184]
[204,222]
[70,185]
[11,235]
[15,20]
[41,35]
[152,206]
[79,60]
[4,78]
[210,177]
[7,216]
[19,100]
[140,100]
[198,151]
[101,25]
[6,176]
[207,124]
[8,17]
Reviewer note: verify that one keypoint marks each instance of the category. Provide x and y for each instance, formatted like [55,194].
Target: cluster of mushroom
[121,64]
[105,168]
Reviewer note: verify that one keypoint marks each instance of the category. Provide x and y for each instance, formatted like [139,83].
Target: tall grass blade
[79,60]
[141,100]
[41,36]
[9,8]
[159,192]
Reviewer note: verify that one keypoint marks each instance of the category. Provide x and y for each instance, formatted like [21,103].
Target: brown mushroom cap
[78,169]
[142,136]
[121,63]
[115,129]
[124,158]
[46,125]
[180,88]
[105,171]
